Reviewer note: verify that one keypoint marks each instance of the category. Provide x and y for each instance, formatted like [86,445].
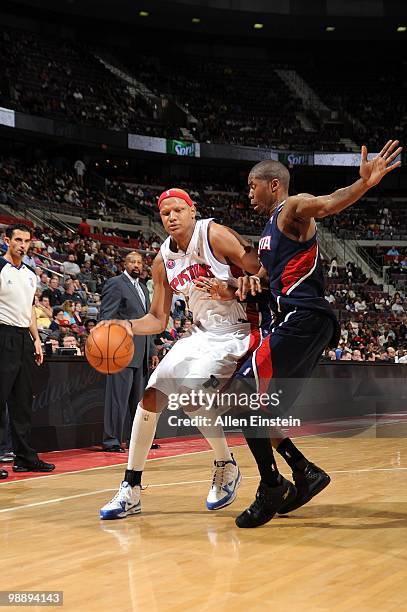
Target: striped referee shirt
[17,290]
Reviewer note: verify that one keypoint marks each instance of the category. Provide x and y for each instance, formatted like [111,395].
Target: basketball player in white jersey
[220,336]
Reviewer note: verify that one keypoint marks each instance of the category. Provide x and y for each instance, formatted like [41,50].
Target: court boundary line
[173,484]
[101,467]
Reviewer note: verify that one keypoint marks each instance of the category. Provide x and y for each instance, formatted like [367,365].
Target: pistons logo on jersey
[265,243]
[189,274]
[170,264]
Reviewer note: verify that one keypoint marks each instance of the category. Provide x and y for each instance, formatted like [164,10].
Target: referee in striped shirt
[20,346]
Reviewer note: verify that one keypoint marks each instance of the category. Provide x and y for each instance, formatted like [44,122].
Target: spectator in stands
[378,305]
[84,228]
[164,343]
[360,305]
[29,259]
[178,311]
[77,314]
[43,312]
[67,307]
[187,325]
[383,356]
[59,320]
[393,251]
[70,341]
[89,325]
[397,307]
[38,271]
[80,170]
[357,355]
[176,328]
[43,283]
[333,269]
[399,355]
[54,340]
[391,352]
[70,266]
[403,329]
[150,284]
[86,276]
[82,290]
[53,292]
[71,293]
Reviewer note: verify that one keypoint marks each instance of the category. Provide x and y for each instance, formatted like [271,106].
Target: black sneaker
[309,483]
[267,503]
[3,474]
[37,466]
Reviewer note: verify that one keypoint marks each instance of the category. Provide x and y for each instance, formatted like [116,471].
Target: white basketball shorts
[193,360]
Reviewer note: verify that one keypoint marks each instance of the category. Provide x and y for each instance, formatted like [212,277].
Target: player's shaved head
[269,169]
[133,255]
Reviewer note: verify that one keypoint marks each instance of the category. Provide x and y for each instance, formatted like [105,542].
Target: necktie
[140,292]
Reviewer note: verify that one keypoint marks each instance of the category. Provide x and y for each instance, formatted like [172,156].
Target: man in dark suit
[124,297]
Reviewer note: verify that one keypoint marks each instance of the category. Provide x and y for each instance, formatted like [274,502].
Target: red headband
[175,193]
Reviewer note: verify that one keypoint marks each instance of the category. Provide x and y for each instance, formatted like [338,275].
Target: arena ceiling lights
[402,29]
[330,29]
[258,26]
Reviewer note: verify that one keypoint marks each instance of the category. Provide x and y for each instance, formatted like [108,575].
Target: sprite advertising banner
[183,148]
[291,158]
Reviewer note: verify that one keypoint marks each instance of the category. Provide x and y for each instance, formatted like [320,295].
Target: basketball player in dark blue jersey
[304,323]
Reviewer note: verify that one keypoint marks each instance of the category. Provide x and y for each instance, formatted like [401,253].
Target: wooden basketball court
[345,550]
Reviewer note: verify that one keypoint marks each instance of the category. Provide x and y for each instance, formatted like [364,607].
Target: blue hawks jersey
[294,270]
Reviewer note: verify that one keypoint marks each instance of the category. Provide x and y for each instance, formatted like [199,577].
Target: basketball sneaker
[125,502]
[266,504]
[308,483]
[225,481]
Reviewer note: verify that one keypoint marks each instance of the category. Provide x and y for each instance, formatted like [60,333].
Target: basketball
[109,349]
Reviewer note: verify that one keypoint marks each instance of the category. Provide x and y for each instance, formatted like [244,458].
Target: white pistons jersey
[183,267]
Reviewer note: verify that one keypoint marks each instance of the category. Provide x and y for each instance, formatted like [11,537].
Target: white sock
[214,434]
[142,436]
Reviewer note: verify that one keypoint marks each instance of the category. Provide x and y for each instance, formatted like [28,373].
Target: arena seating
[45,76]
[371,219]
[375,116]
[234,101]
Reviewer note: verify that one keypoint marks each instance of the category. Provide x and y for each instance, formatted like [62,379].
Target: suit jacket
[120,300]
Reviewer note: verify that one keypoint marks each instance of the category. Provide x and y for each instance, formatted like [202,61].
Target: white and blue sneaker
[125,502]
[225,481]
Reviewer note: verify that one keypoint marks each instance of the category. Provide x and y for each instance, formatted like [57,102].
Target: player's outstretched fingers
[390,149]
[385,148]
[393,156]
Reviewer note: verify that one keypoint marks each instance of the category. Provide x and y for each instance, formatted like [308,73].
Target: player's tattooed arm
[228,247]
[304,206]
